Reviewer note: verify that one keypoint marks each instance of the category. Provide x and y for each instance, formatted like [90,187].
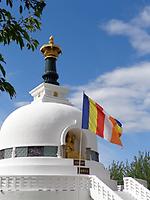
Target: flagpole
[80,157]
[81,137]
[80,150]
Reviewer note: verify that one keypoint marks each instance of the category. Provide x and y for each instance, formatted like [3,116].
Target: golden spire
[50,50]
[51,40]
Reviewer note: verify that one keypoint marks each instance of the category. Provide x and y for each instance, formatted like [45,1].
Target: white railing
[120,187]
[100,191]
[136,189]
[44,183]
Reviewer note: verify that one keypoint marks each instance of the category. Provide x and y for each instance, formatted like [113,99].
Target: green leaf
[2,59]
[2,70]
[9,2]
[26,36]
[37,23]
[20,9]
[20,41]
[36,43]
[28,46]
[6,86]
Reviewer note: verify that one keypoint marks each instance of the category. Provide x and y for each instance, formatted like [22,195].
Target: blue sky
[106,52]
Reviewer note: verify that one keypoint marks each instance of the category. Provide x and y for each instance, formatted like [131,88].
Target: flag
[95,119]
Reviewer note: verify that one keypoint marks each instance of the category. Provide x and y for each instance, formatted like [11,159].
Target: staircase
[133,190]
[100,191]
[125,195]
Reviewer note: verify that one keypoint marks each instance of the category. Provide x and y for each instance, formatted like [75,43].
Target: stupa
[44,154]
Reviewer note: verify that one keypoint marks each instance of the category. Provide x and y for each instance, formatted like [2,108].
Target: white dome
[39,123]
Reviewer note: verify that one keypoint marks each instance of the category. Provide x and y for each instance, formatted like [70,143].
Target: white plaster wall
[37,166]
[47,195]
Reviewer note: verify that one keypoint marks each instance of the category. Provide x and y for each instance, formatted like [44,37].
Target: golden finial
[51,40]
[50,50]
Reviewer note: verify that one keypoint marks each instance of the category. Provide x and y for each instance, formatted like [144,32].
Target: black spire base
[50,75]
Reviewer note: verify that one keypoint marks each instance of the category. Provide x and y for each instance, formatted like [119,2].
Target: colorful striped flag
[99,122]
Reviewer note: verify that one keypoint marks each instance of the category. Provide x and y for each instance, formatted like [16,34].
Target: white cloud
[137,30]
[143,19]
[124,93]
[21,103]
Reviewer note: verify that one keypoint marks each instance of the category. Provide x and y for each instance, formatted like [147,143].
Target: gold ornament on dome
[50,50]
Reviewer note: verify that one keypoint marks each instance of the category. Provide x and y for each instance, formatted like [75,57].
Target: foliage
[138,168]
[4,85]
[18,28]
[117,172]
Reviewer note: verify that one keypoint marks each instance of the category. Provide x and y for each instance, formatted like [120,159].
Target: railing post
[136,189]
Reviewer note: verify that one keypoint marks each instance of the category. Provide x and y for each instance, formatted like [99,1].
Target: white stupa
[40,152]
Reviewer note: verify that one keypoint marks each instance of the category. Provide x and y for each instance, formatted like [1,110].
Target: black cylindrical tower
[50,75]
[51,52]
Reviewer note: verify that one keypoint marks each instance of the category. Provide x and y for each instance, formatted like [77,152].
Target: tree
[117,172]
[18,29]
[138,168]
